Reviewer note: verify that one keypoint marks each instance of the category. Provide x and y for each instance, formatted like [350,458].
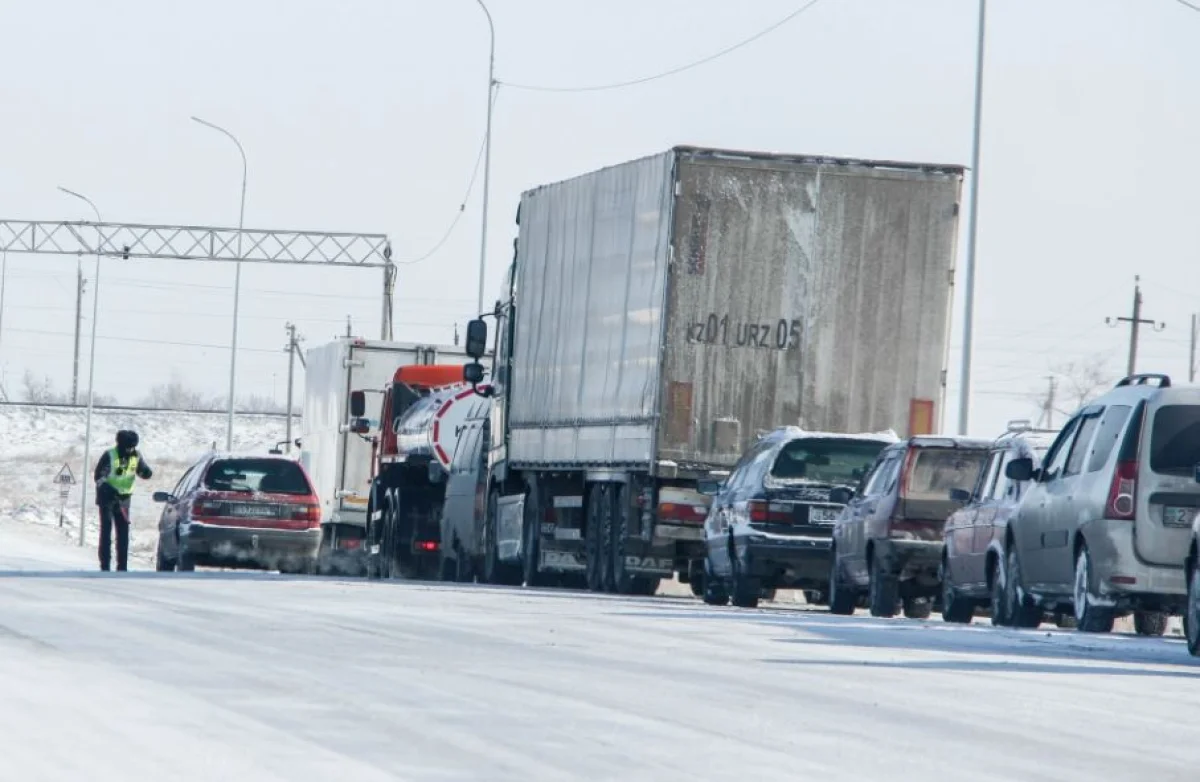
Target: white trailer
[339,460]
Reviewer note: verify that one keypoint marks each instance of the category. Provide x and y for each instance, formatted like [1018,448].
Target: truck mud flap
[660,567]
[511,514]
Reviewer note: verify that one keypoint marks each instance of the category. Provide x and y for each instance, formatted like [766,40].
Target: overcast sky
[367,115]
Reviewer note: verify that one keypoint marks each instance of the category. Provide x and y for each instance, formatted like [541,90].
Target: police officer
[115,474]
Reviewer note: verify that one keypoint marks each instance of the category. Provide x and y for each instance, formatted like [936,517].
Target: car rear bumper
[909,559]
[250,546]
[1121,573]
[784,562]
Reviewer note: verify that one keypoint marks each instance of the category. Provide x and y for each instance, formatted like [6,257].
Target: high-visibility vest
[121,476]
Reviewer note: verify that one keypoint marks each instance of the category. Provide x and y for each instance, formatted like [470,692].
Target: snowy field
[35,442]
[252,676]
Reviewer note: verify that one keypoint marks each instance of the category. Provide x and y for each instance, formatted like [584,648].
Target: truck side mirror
[477,339]
[358,404]
[473,373]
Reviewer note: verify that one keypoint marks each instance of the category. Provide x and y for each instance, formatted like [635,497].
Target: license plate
[823,515]
[248,511]
[1178,517]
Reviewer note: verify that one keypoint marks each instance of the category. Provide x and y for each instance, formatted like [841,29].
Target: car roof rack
[1025,426]
[1164,381]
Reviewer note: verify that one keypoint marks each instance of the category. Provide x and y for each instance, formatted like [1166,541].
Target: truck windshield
[270,476]
[826,460]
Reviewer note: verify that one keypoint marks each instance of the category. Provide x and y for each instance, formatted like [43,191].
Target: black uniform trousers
[114,512]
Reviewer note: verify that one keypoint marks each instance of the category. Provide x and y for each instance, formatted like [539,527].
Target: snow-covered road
[144,676]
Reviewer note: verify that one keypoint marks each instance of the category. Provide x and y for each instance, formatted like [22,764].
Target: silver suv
[1105,526]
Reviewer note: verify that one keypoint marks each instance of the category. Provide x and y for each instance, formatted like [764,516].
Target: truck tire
[883,591]
[372,536]
[1091,618]
[494,570]
[623,580]
[1150,622]
[594,538]
[531,537]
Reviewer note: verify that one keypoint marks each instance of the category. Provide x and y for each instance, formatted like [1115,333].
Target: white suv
[1106,524]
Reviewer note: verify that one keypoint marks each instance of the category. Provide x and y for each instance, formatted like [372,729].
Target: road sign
[65,477]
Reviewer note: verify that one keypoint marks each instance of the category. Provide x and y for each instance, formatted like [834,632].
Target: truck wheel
[495,571]
[883,592]
[531,533]
[622,578]
[1150,622]
[593,541]
[842,599]
[714,588]
[372,537]
[1091,618]
[386,541]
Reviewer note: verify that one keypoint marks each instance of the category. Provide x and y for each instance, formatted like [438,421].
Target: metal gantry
[206,243]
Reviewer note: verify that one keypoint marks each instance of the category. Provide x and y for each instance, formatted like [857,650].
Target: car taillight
[426,545]
[206,508]
[309,513]
[1122,494]
[763,511]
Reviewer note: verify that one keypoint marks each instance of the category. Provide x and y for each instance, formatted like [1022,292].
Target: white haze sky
[366,115]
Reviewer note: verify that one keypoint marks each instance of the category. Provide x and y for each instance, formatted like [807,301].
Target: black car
[770,521]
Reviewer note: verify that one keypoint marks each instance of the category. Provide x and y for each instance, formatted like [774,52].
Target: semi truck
[338,458]
[661,314]
[423,414]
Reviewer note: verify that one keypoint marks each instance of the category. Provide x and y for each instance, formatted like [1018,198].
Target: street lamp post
[87,437]
[964,391]
[487,150]
[237,283]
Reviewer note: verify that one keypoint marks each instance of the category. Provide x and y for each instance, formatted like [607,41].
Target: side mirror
[961,496]
[841,495]
[360,425]
[162,496]
[473,373]
[1019,470]
[709,487]
[358,404]
[476,339]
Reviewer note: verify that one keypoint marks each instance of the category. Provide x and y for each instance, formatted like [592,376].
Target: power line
[1187,4]
[678,69]
[462,207]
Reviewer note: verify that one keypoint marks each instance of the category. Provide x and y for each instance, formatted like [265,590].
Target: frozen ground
[35,442]
[261,677]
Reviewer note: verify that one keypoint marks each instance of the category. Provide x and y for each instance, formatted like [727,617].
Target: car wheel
[841,598]
[955,608]
[1191,616]
[1091,618]
[161,563]
[997,598]
[185,563]
[714,588]
[1150,622]
[746,590]
[917,607]
[883,592]
[1021,613]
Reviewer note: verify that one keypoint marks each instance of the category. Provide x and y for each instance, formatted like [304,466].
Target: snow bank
[35,442]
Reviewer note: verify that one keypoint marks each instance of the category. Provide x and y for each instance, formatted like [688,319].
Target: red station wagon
[258,512]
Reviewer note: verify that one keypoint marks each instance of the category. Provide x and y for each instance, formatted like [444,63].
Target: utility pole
[1047,416]
[1135,322]
[1192,351]
[293,349]
[79,285]
[3,280]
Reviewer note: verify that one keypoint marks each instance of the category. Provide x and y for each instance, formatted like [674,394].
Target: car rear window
[270,476]
[936,471]
[1175,440]
[826,460]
